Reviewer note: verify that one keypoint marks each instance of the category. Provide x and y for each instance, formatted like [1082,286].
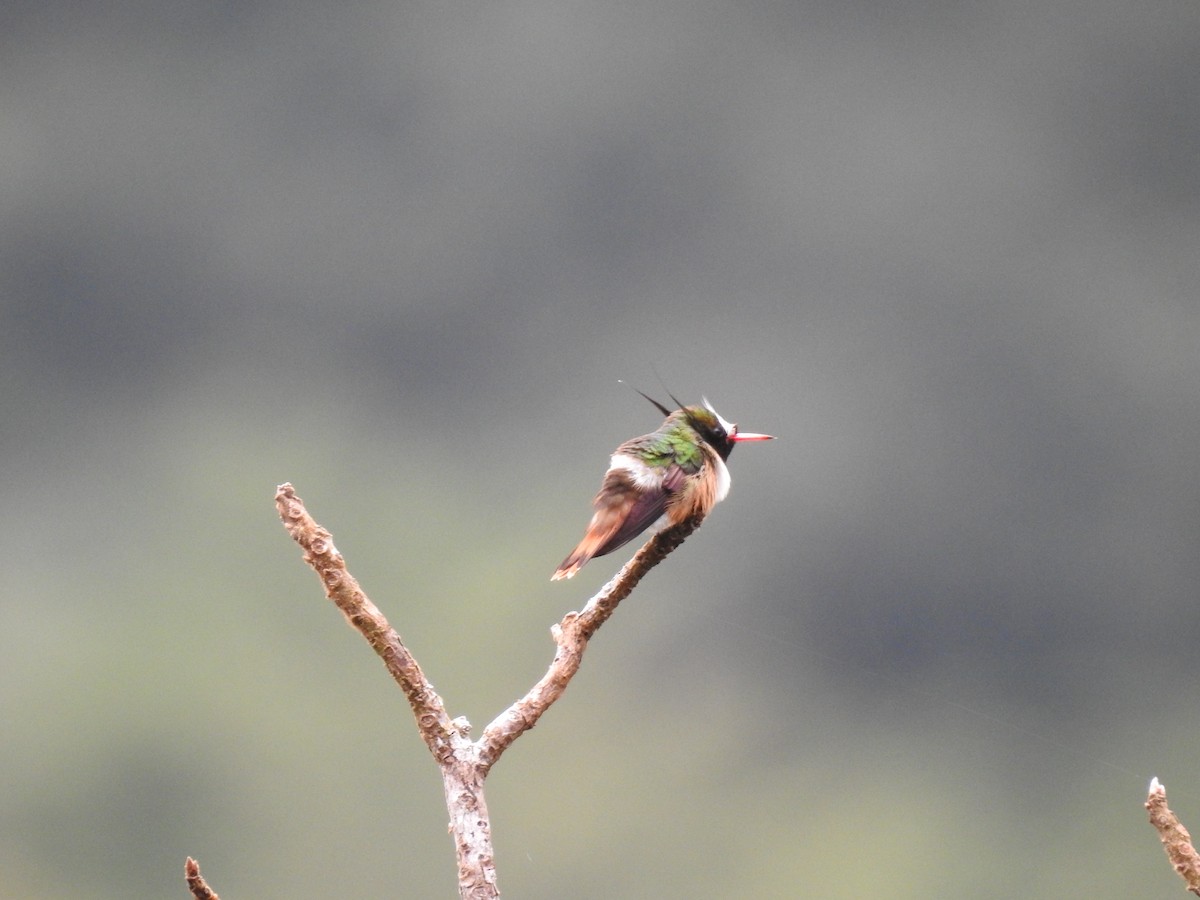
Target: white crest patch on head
[729,427]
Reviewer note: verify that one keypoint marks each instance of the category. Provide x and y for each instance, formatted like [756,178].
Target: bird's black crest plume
[666,412]
[661,408]
[678,404]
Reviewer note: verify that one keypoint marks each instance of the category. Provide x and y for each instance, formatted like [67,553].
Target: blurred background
[934,644]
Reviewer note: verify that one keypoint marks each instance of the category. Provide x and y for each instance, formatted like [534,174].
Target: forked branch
[465,764]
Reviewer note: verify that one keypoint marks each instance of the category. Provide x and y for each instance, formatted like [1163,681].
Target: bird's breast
[701,491]
[721,489]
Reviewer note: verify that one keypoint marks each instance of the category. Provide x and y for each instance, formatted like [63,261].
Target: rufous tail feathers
[603,526]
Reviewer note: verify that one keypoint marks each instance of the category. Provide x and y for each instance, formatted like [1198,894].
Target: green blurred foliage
[934,644]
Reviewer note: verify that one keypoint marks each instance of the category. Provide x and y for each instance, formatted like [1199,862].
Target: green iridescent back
[676,442]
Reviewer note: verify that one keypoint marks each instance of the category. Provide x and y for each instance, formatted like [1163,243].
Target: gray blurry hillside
[934,644]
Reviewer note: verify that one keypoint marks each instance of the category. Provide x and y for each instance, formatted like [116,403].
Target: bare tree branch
[196,883]
[365,617]
[1175,838]
[465,764]
[572,635]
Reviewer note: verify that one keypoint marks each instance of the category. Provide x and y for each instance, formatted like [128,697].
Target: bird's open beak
[750,436]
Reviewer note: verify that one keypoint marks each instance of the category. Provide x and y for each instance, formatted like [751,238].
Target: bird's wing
[630,509]
[624,508]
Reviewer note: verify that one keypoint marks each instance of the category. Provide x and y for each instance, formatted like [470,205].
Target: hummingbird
[666,476]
